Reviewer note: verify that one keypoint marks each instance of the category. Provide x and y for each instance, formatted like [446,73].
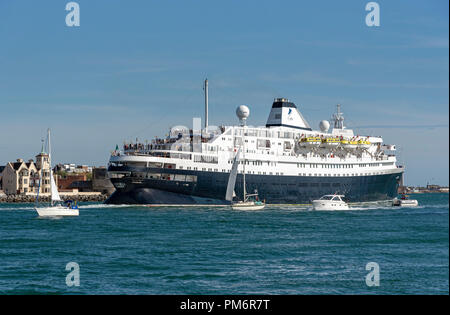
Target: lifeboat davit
[364,144]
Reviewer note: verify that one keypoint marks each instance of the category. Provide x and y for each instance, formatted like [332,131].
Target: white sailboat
[56,207]
[249,201]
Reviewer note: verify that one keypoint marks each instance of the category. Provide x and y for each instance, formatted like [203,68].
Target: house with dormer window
[23,177]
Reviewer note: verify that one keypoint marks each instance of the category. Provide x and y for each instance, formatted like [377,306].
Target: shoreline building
[23,177]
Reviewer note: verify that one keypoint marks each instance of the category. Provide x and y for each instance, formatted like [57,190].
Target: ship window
[263,144]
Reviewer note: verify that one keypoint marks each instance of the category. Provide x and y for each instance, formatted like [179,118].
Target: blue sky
[135,68]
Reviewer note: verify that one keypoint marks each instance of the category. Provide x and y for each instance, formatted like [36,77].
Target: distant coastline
[429,189]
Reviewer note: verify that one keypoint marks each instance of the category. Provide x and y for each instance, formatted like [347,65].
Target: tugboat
[330,202]
[404,201]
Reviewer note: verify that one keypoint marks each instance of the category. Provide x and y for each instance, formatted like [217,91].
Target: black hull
[210,187]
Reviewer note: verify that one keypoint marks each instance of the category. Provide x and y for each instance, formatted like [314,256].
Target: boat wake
[107,206]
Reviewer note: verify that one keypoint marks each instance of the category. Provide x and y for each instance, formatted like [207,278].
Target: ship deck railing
[186,155]
[205,157]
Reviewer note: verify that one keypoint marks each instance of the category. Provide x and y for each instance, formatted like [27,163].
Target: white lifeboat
[349,145]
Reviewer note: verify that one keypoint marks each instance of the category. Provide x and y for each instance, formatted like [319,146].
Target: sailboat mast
[243,158]
[50,164]
[243,112]
[206,104]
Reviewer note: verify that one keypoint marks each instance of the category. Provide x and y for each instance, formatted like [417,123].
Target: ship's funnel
[286,114]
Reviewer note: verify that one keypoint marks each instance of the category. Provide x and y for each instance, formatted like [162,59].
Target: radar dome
[242,112]
[324,125]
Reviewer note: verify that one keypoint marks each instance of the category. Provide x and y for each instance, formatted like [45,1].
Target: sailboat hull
[56,211]
[247,206]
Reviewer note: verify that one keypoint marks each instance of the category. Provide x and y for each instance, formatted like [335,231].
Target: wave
[16,208]
[384,207]
[269,207]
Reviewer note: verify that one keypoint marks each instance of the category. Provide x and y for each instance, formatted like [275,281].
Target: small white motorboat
[330,202]
[404,202]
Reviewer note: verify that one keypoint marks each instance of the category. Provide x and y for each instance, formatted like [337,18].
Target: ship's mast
[338,118]
[243,158]
[206,103]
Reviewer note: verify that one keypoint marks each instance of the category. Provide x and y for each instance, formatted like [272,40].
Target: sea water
[216,250]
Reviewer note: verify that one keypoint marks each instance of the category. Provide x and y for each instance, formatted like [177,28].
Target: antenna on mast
[206,103]
[338,118]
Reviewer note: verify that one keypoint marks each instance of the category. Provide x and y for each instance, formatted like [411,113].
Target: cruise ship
[286,162]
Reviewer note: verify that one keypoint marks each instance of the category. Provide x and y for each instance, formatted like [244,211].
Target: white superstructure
[282,151]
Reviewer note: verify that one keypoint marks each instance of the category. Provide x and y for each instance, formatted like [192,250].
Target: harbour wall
[80,197]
